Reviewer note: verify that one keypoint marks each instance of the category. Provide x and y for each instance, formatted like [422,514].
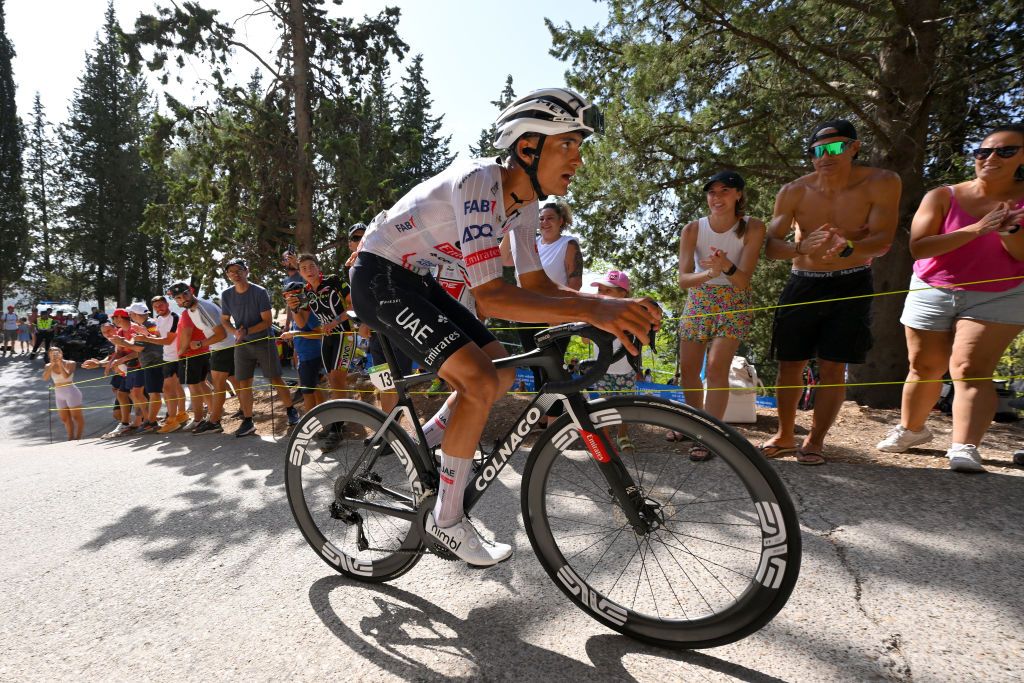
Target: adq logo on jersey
[475,232]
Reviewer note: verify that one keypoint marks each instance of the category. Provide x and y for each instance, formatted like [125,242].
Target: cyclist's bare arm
[541,300]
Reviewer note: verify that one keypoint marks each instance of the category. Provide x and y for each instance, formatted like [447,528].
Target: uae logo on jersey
[449,249]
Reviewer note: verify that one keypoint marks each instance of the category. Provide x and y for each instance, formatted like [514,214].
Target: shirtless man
[843,215]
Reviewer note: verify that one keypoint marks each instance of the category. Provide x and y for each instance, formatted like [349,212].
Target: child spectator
[620,378]
[24,336]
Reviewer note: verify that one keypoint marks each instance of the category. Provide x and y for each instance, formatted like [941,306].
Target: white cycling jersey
[457,218]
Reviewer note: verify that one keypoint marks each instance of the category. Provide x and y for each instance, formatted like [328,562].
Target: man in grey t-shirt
[246,315]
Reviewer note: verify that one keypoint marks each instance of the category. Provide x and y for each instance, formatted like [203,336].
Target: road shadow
[415,639]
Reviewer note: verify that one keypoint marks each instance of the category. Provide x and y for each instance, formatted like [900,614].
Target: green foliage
[104,175]
[485,148]
[693,87]
[13,235]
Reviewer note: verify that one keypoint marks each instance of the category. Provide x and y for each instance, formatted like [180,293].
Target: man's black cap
[727,178]
[240,262]
[834,128]
[176,288]
[356,228]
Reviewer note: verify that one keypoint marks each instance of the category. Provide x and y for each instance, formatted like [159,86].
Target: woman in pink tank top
[966,303]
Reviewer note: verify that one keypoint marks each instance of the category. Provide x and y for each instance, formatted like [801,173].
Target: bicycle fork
[643,515]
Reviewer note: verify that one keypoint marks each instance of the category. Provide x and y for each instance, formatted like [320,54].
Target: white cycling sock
[433,430]
[454,477]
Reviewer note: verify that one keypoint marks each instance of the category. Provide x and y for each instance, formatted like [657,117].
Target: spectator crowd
[964,308]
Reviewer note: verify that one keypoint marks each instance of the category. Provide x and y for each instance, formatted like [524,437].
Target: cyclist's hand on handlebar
[625,317]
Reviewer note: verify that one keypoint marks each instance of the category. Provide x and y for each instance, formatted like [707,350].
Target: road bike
[651,544]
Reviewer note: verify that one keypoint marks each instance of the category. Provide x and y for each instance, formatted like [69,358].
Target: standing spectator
[69,397]
[151,358]
[966,300]
[717,257]
[166,339]
[560,253]
[326,297]
[10,331]
[44,332]
[124,361]
[194,350]
[290,263]
[98,315]
[844,216]
[24,336]
[199,332]
[307,345]
[246,316]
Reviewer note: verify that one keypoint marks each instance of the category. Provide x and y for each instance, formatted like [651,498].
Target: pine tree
[422,151]
[13,235]
[105,175]
[485,145]
[41,158]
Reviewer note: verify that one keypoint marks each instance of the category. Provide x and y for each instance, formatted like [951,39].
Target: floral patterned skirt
[708,313]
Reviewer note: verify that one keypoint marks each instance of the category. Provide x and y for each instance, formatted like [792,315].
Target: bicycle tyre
[745,502]
[313,479]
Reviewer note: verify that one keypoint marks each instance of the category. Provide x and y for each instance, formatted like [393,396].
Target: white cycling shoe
[466,543]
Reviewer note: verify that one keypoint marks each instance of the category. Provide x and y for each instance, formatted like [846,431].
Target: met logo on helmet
[473,232]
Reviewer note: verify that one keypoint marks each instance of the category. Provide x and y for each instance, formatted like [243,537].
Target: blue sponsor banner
[524,380]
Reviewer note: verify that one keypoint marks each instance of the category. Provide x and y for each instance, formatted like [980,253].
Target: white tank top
[708,239]
[552,257]
[59,378]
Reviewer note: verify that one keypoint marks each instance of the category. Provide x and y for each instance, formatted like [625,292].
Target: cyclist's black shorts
[418,316]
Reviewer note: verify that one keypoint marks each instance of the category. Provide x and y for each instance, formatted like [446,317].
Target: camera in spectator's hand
[296,295]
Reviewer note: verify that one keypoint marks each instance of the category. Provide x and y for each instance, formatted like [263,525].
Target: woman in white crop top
[717,257]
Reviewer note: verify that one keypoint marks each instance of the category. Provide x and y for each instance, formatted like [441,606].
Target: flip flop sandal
[625,444]
[809,458]
[700,453]
[674,436]
[770,450]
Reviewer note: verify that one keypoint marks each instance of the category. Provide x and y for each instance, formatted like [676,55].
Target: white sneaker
[120,429]
[463,540]
[900,439]
[964,458]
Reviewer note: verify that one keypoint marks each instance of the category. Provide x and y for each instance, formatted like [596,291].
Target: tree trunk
[304,132]
[906,69]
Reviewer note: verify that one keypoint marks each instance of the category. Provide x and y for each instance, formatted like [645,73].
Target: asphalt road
[176,558]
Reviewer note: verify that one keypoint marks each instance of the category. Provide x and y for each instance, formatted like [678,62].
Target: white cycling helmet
[550,111]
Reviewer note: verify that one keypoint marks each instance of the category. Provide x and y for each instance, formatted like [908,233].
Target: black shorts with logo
[194,369]
[418,316]
[838,331]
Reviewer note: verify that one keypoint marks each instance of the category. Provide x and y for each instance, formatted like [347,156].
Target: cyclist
[458,218]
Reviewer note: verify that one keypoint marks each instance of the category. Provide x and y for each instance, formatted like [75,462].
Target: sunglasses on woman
[831,148]
[982,153]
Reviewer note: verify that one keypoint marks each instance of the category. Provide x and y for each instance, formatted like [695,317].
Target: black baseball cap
[727,178]
[356,228]
[240,262]
[180,287]
[833,128]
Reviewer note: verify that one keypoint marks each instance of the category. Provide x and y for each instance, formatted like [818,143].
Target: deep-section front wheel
[352,500]
[721,551]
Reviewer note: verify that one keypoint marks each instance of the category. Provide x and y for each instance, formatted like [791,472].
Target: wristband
[847,251]
[1013,230]
[732,269]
